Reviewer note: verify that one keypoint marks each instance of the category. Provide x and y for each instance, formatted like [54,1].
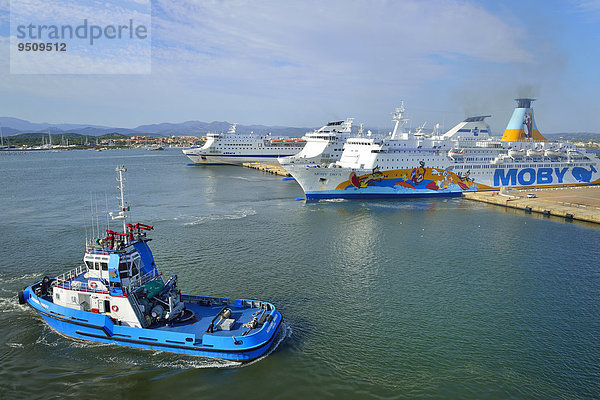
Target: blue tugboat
[120,297]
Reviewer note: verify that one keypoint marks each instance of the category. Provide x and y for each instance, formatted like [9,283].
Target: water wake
[26,278]
[11,304]
[239,214]
[284,333]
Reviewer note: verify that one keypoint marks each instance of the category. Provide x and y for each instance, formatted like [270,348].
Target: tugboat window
[123,270]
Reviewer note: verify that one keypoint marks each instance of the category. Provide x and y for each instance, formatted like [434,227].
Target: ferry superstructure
[118,296]
[466,158]
[235,149]
[323,146]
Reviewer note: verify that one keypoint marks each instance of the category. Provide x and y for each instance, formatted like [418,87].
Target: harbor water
[426,298]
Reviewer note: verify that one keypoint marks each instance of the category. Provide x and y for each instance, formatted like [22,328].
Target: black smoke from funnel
[528,91]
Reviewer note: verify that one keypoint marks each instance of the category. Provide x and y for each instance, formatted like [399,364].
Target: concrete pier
[268,168]
[578,203]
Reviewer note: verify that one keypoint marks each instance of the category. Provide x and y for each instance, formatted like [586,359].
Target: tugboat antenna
[123,204]
[92,217]
[97,218]
[85,227]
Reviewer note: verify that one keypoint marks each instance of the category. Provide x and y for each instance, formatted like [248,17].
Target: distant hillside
[22,125]
[574,136]
[199,128]
[36,138]
[11,126]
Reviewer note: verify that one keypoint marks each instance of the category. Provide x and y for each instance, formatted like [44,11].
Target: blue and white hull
[100,328]
[329,183]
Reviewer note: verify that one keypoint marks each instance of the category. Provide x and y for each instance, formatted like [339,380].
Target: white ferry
[323,146]
[466,158]
[234,148]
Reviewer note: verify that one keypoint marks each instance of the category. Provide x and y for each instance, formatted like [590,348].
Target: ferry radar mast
[398,116]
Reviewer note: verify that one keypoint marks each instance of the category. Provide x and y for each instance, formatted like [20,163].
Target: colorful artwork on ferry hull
[419,179]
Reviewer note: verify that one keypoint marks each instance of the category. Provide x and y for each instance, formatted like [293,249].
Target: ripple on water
[235,214]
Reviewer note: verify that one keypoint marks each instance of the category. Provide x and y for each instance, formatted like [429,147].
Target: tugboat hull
[189,339]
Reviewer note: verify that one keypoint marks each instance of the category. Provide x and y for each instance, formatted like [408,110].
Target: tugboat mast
[123,204]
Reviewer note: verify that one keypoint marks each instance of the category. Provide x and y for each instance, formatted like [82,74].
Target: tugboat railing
[141,280]
[138,310]
[68,281]
[70,275]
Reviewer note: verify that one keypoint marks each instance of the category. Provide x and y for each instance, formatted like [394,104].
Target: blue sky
[303,63]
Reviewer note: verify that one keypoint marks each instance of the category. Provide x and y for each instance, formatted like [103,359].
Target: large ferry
[118,296]
[466,158]
[323,146]
[234,148]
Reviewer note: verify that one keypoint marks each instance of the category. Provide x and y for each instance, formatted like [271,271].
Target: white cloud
[74,12]
[317,44]
[588,5]
[291,62]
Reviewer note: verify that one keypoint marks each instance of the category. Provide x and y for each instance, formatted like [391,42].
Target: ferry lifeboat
[535,153]
[456,153]
[553,153]
[517,153]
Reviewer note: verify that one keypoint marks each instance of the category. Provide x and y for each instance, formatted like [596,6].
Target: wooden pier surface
[275,169]
[579,203]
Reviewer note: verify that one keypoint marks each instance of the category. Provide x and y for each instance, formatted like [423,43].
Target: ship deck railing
[74,280]
[67,277]
[140,280]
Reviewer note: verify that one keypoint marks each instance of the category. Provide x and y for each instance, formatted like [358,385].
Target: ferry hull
[373,195]
[329,183]
[200,159]
[84,325]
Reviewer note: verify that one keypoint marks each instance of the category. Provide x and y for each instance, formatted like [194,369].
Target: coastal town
[72,141]
[56,142]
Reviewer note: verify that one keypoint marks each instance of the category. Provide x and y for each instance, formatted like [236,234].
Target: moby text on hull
[466,158]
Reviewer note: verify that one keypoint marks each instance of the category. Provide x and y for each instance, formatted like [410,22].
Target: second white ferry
[235,148]
[323,146]
[466,158]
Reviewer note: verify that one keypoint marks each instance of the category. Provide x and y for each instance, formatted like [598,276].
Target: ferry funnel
[521,126]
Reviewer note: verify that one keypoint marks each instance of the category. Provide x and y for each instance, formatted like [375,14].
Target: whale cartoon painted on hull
[582,174]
